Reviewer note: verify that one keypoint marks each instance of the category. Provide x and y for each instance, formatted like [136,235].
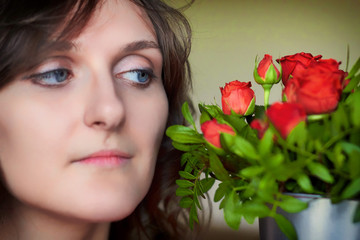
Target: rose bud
[260,125]
[212,129]
[318,88]
[238,97]
[266,72]
[285,117]
[292,64]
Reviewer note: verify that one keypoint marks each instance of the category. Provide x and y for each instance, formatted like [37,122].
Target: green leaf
[186,202]
[267,188]
[212,110]
[320,171]
[355,68]
[207,184]
[186,175]
[251,108]
[305,183]
[184,183]
[221,191]
[191,164]
[251,189]
[286,227]
[354,164]
[255,208]
[238,123]
[231,210]
[185,147]
[197,193]
[266,143]
[350,147]
[298,135]
[181,192]
[354,100]
[187,115]
[274,161]
[335,191]
[182,134]
[337,156]
[340,119]
[252,171]
[352,84]
[204,117]
[316,129]
[193,216]
[352,189]
[249,218]
[239,146]
[292,205]
[218,168]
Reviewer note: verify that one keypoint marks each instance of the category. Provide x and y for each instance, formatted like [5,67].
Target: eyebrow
[139,45]
[130,47]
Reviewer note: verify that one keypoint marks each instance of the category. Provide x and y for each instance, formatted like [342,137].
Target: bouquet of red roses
[308,143]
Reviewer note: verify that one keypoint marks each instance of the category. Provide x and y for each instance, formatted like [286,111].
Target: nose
[105,109]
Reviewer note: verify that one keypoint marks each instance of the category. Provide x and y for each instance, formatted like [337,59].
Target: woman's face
[79,135]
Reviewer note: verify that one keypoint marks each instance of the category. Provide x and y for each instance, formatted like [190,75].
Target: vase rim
[305,195]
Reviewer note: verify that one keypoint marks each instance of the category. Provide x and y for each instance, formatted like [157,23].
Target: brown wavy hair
[29,30]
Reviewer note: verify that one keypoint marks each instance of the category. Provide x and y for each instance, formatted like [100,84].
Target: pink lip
[105,158]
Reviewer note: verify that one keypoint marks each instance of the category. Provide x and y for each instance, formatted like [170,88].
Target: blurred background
[229,34]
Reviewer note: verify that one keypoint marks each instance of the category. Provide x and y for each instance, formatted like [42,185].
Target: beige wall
[228,34]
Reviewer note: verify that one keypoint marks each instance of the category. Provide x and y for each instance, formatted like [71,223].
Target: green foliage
[286,227]
[321,156]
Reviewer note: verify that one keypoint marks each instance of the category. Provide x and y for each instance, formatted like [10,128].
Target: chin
[109,210]
[105,214]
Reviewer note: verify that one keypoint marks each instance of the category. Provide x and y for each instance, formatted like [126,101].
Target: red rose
[292,64]
[318,88]
[266,72]
[285,117]
[260,125]
[212,129]
[239,97]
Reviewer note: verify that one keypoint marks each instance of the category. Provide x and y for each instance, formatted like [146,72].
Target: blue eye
[141,76]
[55,77]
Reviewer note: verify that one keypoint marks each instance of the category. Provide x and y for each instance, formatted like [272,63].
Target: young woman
[87,89]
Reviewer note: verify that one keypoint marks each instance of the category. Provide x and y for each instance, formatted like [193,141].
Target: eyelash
[40,78]
[147,71]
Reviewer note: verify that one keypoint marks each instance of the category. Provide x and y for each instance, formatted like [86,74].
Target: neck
[24,223]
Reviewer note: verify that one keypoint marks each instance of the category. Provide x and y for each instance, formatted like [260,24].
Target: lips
[105,158]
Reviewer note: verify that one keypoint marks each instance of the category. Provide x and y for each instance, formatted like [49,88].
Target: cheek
[31,141]
[147,121]
[31,129]
[150,117]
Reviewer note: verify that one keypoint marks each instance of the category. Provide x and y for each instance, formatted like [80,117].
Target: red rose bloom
[293,64]
[239,97]
[285,117]
[260,125]
[265,74]
[318,88]
[212,129]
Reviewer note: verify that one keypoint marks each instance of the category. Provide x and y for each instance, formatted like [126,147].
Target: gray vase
[320,221]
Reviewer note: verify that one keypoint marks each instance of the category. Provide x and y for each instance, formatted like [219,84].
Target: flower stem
[240,188]
[267,88]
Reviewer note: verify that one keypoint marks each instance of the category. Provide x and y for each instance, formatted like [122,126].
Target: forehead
[114,16]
